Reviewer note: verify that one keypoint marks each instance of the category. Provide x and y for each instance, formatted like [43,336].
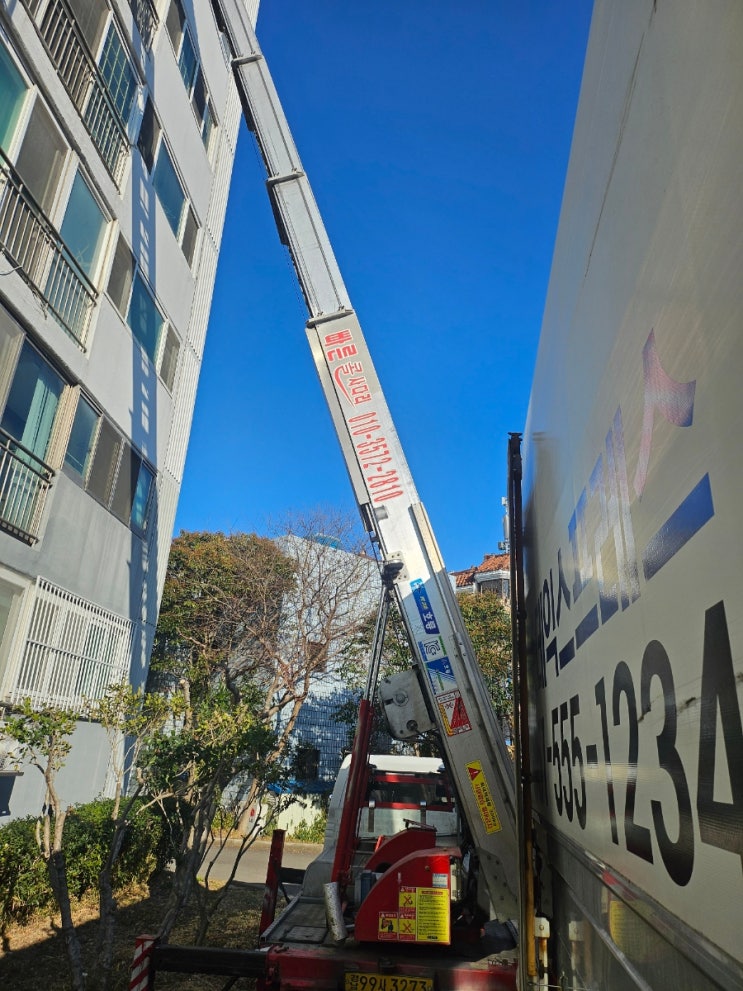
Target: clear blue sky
[436,137]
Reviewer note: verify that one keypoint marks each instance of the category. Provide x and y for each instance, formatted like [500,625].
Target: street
[254,862]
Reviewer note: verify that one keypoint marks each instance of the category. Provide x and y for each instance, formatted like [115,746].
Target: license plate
[357,981]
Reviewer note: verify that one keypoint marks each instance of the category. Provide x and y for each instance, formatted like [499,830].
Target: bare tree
[336,583]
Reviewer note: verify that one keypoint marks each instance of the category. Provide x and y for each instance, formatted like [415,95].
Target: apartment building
[118,126]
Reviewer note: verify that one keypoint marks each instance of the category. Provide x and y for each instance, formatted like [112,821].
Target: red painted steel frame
[323,969]
[354,795]
[273,877]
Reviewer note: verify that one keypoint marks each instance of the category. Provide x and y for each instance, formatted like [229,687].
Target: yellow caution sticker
[387,925]
[423,916]
[434,916]
[483,797]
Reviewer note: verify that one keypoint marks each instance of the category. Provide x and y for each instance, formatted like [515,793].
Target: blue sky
[436,137]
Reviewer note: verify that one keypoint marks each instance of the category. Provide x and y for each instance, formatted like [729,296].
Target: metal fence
[73,651]
[146,19]
[24,483]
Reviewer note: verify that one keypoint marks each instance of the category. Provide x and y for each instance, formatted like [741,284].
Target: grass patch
[36,958]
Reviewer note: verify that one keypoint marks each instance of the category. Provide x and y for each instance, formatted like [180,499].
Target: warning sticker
[387,925]
[483,797]
[406,897]
[454,714]
[433,915]
[406,924]
[423,916]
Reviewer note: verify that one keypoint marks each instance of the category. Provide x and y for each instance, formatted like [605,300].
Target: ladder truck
[616,848]
[415,896]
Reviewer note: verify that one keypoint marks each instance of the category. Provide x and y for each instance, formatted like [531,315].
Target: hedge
[24,880]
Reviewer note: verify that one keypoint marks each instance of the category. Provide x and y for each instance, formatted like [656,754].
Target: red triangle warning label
[474,771]
[459,716]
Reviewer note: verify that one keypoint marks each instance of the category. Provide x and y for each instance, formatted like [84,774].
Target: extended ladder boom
[447,672]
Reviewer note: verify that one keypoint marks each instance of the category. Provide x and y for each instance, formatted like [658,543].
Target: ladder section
[448,681]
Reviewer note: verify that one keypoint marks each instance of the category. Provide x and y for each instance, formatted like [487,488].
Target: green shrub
[88,833]
[313,832]
[24,882]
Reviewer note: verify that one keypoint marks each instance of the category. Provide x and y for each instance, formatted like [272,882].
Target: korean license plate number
[358,981]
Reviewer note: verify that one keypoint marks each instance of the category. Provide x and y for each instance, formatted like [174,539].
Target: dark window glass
[144,317]
[142,497]
[174,23]
[105,459]
[82,437]
[121,277]
[126,483]
[149,132]
[168,188]
[190,230]
[32,402]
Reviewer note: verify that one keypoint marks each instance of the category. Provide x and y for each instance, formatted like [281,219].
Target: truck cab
[402,790]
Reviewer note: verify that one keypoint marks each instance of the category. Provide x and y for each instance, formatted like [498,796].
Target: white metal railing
[24,483]
[146,19]
[41,257]
[73,651]
[77,69]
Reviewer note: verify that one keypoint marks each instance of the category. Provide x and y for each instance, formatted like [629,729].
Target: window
[105,461]
[84,226]
[41,157]
[118,75]
[132,491]
[144,317]
[33,401]
[166,183]
[149,133]
[168,188]
[188,63]
[141,496]
[107,465]
[136,303]
[82,437]
[121,277]
[169,358]
[13,90]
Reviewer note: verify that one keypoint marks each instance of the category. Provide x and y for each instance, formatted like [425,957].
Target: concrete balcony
[86,86]
[41,258]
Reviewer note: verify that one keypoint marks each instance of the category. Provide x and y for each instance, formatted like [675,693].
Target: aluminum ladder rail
[448,673]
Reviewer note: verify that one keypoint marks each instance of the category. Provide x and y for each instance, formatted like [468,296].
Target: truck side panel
[633,530]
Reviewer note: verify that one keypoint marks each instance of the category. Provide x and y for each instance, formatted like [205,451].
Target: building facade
[118,127]
[493,574]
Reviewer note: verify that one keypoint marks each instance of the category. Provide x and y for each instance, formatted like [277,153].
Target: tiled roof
[491,562]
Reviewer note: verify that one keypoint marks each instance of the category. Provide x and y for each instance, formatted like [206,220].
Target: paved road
[253,863]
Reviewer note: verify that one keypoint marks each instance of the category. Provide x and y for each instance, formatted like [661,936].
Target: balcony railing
[145,17]
[24,483]
[41,257]
[86,86]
